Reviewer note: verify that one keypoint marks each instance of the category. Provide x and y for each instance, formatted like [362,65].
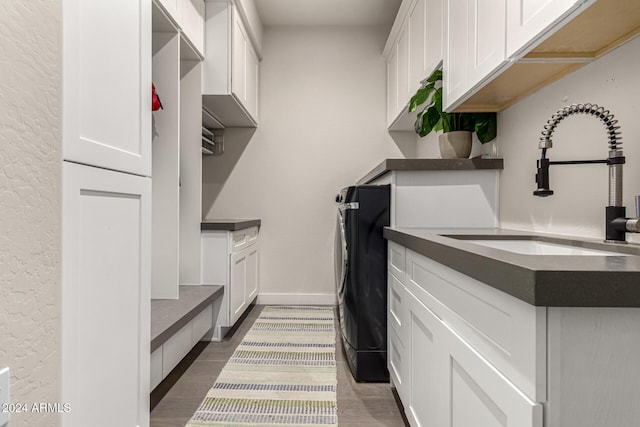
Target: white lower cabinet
[230,259]
[441,378]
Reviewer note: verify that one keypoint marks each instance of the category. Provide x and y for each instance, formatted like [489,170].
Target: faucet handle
[637,206]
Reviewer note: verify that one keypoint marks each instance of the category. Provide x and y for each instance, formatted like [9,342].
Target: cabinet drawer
[398,307]
[396,364]
[506,331]
[156,368]
[202,324]
[397,260]
[175,348]
[241,239]
[480,395]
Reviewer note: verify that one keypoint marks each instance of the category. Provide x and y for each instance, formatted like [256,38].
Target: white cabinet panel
[456,54]
[239,41]
[172,7]
[107,83]
[156,368]
[238,284]
[202,324]
[392,85]
[175,348]
[398,312]
[252,82]
[396,356]
[487,38]
[487,318]
[426,368]
[480,395]
[528,19]
[397,260]
[105,297]
[417,41]
[433,35]
[403,70]
[251,287]
[230,258]
[192,22]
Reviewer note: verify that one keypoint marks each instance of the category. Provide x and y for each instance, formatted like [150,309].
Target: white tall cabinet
[106,212]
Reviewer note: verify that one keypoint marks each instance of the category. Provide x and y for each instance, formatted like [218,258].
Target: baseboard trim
[296,299]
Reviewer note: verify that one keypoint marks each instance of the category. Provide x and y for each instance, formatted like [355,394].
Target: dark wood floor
[359,404]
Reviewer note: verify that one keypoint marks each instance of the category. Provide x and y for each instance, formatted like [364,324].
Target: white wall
[30,221]
[321,128]
[577,207]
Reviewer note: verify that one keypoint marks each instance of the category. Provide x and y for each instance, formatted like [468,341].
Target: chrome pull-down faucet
[617,225]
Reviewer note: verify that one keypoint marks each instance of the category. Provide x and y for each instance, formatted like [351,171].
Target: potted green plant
[457,128]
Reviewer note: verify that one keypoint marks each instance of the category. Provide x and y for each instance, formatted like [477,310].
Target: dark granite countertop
[169,315]
[229,224]
[429,164]
[541,280]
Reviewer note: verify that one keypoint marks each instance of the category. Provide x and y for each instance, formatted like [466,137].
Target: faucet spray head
[542,177]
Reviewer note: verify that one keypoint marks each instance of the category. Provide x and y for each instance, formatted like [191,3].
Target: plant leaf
[435,76]
[486,126]
[420,97]
[467,122]
[418,123]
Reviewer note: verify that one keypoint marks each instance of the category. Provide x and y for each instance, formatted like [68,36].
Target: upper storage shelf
[574,41]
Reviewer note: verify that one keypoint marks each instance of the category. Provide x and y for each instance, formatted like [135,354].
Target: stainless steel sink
[536,246]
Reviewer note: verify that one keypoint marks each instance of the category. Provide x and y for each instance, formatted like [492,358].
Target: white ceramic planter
[455,145]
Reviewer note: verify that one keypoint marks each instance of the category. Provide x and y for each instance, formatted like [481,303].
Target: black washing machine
[361,278]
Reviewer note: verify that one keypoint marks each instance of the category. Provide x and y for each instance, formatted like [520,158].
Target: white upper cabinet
[172,7]
[456,53]
[487,37]
[433,37]
[413,50]
[188,16]
[231,66]
[192,23]
[417,46]
[475,37]
[424,25]
[527,19]
[107,84]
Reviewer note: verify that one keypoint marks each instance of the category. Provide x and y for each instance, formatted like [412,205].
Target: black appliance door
[341,263]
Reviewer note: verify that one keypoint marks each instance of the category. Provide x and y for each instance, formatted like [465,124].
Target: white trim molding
[302,299]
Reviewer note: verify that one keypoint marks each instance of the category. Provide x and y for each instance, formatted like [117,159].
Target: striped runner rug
[283,373]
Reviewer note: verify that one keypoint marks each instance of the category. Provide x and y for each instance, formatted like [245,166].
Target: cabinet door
[238,284]
[527,20]
[480,395]
[403,71]
[417,46]
[192,22]
[433,35]
[105,297]
[107,84]
[172,7]
[239,41]
[392,85]
[252,78]
[251,289]
[486,38]
[426,368]
[397,364]
[456,53]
